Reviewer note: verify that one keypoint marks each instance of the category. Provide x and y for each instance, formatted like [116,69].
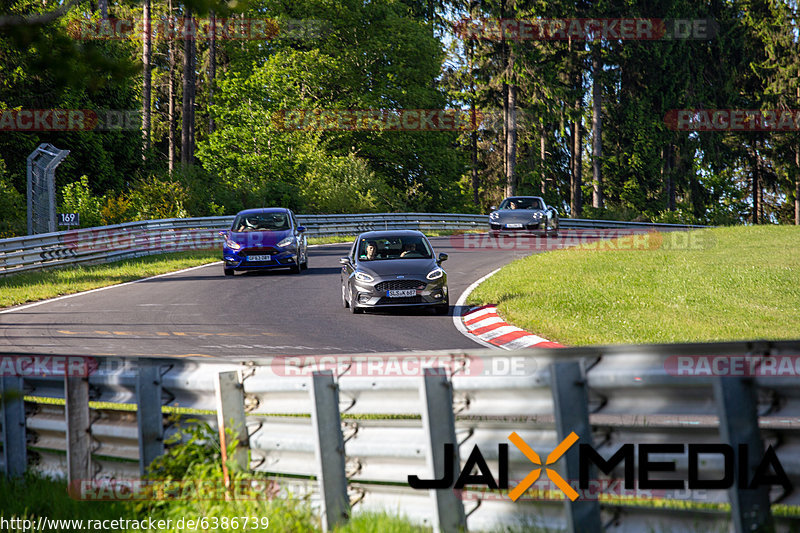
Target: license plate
[513,225]
[401,293]
[258,257]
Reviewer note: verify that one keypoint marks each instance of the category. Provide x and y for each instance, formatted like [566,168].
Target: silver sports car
[523,214]
[393,269]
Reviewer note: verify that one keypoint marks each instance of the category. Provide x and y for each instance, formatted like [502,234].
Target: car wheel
[442,308]
[304,265]
[345,303]
[229,271]
[296,268]
[353,309]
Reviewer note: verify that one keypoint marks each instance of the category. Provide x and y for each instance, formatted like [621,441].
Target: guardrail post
[79,431]
[570,400]
[329,450]
[148,413]
[230,416]
[439,424]
[12,409]
[737,401]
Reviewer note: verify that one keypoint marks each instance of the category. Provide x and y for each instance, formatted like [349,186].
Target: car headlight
[537,215]
[360,276]
[233,245]
[436,273]
[494,215]
[288,241]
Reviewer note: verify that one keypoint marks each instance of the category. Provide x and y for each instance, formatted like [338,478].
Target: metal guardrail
[112,243]
[631,395]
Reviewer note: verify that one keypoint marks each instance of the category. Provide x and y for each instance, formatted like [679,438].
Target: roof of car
[521,197]
[391,233]
[262,210]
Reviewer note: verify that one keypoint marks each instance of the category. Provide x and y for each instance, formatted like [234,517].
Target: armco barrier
[610,396]
[133,239]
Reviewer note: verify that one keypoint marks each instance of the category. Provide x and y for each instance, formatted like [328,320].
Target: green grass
[740,283]
[32,286]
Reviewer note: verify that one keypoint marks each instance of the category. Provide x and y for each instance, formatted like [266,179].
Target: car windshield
[400,247]
[522,203]
[261,222]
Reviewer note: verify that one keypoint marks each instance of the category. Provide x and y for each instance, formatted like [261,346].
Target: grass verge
[741,283]
[32,286]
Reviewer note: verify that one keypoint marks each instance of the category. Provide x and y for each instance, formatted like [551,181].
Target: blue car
[265,238]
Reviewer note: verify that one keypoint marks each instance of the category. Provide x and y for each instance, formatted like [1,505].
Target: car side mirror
[301,229]
[442,258]
[344,260]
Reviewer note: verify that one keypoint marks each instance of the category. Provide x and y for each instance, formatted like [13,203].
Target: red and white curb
[484,326]
[487,325]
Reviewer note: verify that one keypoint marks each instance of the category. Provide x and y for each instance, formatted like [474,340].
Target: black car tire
[345,303]
[229,271]
[442,308]
[304,264]
[353,309]
[296,268]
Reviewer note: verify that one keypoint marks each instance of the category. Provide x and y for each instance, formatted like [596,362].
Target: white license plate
[401,293]
[513,225]
[258,257]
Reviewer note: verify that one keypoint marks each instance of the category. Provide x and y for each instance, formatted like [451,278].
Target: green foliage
[13,208]
[76,197]
[154,198]
[194,459]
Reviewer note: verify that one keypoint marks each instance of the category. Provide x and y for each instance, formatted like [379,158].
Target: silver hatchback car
[393,269]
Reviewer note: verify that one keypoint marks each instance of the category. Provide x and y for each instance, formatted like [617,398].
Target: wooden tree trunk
[597,128]
[797,184]
[171,89]
[212,69]
[542,157]
[147,83]
[187,132]
[511,142]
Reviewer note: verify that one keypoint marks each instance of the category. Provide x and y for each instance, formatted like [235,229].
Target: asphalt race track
[202,312]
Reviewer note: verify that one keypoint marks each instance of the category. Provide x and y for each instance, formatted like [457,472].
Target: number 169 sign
[69,219]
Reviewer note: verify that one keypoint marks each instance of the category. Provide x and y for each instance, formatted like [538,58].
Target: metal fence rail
[390,427]
[112,243]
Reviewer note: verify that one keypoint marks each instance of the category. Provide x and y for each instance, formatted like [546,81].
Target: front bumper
[279,258]
[374,295]
[498,229]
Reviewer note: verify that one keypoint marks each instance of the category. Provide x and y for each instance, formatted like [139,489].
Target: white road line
[459,307]
[34,304]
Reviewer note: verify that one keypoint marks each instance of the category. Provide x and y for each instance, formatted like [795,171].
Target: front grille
[255,250]
[399,284]
[400,301]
